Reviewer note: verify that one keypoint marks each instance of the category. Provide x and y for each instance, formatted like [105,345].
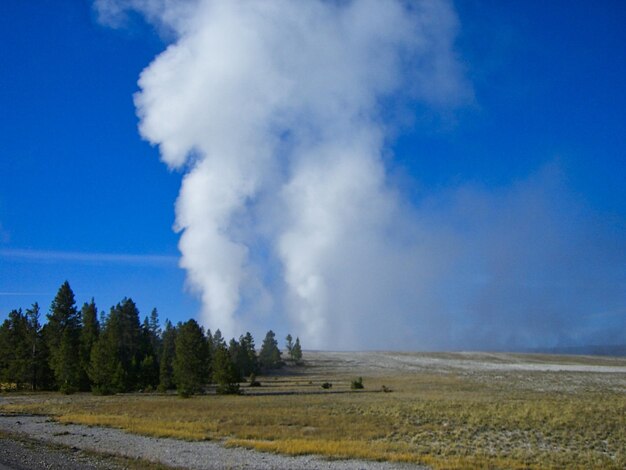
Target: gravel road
[171,452]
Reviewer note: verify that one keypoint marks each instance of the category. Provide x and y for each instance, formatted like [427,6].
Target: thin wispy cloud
[89,258]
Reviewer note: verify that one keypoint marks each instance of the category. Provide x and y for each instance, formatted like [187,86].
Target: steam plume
[278,112]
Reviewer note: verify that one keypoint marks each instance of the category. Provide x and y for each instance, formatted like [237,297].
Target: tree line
[77,350]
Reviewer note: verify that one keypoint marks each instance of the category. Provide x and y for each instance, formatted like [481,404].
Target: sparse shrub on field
[228,389]
[357,384]
[253,381]
[327,385]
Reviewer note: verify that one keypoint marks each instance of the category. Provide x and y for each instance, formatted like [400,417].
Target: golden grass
[446,421]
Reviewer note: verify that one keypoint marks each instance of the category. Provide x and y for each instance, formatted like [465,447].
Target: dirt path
[171,452]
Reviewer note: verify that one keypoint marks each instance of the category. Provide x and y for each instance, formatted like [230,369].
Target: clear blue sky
[79,185]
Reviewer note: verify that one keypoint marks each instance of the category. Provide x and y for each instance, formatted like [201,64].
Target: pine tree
[224,373]
[88,337]
[104,366]
[289,345]
[190,371]
[270,357]
[168,351]
[63,334]
[15,350]
[296,352]
[148,367]
[248,361]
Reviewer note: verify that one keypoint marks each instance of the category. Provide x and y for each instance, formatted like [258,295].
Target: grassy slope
[456,419]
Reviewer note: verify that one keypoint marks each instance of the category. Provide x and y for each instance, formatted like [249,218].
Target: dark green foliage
[148,378]
[238,357]
[14,350]
[190,361]
[247,362]
[224,373]
[104,368]
[357,384]
[327,385]
[62,337]
[117,355]
[76,351]
[41,376]
[270,357]
[148,373]
[152,330]
[296,352]
[168,351]
[88,337]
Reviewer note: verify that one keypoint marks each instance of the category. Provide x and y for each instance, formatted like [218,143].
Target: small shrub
[327,385]
[357,384]
[253,381]
[228,389]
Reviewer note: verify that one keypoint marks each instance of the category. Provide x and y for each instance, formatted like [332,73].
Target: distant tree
[296,352]
[238,357]
[103,367]
[248,362]
[116,365]
[218,339]
[63,334]
[88,337]
[190,371]
[40,373]
[224,373]
[148,378]
[15,351]
[154,332]
[289,345]
[168,351]
[270,357]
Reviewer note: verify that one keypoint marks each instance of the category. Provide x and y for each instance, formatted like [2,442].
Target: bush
[228,389]
[327,385]
[357,384]
[253,381]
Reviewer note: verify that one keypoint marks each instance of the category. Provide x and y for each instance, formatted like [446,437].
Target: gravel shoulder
[169,452]
[18,452]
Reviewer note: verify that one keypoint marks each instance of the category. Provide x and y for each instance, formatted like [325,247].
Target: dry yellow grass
[442,420]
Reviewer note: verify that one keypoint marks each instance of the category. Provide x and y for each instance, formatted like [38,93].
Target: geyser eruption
[274,110]
[280,114]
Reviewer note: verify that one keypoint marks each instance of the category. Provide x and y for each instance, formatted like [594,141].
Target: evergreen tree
[248,361]
[149,366]
[15,350]
[116,363]
[289,345]
[41,375]
[168,351]
[88,337]
[154,329]
[238,357]
[270,357]
[296,352]
[63,334]
[102,367]
[224,373]
[190,371]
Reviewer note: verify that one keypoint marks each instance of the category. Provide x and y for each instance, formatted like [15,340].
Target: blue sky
[85,198]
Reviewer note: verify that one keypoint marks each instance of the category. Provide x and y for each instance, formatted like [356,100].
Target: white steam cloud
[276,112]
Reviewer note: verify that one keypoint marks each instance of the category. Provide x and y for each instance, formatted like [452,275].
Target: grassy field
[447,411]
